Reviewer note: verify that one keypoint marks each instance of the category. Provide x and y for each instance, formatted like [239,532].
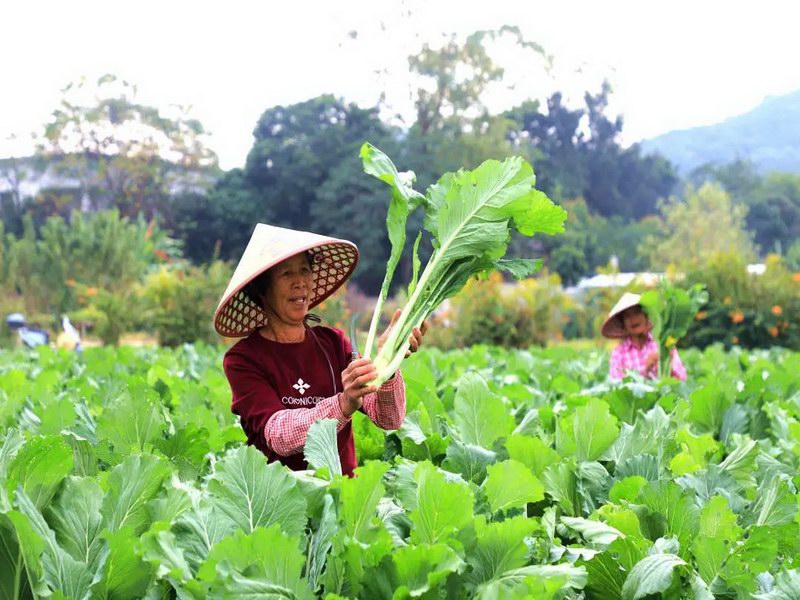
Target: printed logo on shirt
[301,386]
[307,401]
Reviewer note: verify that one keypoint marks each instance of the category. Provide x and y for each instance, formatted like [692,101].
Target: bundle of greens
[671,310]
[470,216]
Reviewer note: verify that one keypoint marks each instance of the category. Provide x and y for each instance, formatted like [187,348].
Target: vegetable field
[515,475]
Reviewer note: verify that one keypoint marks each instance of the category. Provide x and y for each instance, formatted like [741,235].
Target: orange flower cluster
[777,310]
[773,331]
[701,315]
[736,316]
[796,277]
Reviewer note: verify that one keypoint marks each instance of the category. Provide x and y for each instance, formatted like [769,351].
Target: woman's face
[289,290]
[635,321]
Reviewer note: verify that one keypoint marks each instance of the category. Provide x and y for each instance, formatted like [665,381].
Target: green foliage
[671,310]
[470,216]
[698,228]
[124,154]
[744,309]
[539,482]
[593,165]
[179,300]
[65,266]
[774,211]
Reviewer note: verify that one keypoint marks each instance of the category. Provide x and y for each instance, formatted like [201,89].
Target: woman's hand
[414,340]
[651,361]
[354,379]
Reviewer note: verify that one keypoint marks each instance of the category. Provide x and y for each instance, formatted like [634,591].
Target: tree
[772,200]
[99,251]
[218,224]
[122,153]
[699,227]
[577,152]
[454,127]
[552,141]
[452,80]
[303,172]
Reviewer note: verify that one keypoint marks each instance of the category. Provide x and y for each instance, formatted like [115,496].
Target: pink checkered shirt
[628,357]
[286,430]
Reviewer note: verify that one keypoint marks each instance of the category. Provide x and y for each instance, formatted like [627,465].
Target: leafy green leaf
[265,561]
[469,215]
[404,200]
[160,548]
[785,586]
[511,484]
[321,542]
[423,567]
[531,452]
[717,535]
[596,533]
[627,489]
[519,268]
[561,484]
[39,467]
[695,451]
[199,529]
[775,504]
[61,571]
[321,449]
[22,548]
[131,485]
[588,432]
[469,460]
[651,575]
[359,498]
[76,520]
[679,514]
[443,507]
[255,494]
[708,406]
[532,577]
[123,573]
[750,557]
[480,416]
[499,547]
[133,421]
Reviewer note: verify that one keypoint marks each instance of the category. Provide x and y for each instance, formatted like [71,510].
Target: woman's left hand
[414,340]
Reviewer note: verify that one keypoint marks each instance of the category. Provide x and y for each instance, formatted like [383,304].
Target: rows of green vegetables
[515,475]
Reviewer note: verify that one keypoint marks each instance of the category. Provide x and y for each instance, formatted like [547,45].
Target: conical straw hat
[613,326]
[333,261]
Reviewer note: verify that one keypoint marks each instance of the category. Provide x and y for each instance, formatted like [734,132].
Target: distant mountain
[768,135]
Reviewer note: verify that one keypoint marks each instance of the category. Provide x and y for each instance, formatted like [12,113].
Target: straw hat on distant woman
[285,375]
[637,351]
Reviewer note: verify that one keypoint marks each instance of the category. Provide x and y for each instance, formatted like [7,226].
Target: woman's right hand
[651,361]
[358,373]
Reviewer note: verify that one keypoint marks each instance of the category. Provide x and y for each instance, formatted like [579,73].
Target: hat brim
[333,261]
[613,327]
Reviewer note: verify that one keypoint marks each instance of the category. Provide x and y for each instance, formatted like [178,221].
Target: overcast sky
[672,64]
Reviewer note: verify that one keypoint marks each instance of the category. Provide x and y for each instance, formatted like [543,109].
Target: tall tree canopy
[120,152]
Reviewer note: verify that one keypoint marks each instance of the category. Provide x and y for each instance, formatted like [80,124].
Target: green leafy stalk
[470,216]
[404,200]
[671,310]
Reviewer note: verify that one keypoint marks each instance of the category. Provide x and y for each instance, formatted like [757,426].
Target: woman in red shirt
[285,374]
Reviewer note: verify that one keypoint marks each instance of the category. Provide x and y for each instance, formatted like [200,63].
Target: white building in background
[622,280]
[28,177]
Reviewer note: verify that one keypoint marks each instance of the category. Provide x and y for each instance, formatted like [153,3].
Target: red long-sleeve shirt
[280,389]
